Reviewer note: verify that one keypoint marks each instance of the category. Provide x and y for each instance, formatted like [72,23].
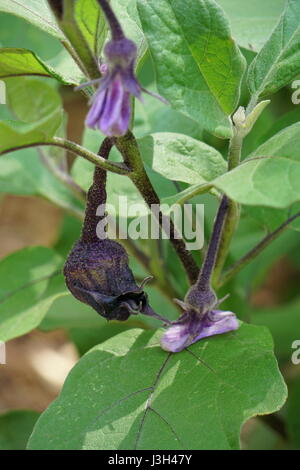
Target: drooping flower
[97,270]
[201,317]
[110,109]
[97,273]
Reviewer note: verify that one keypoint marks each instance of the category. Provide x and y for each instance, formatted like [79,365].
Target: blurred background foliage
[37,208]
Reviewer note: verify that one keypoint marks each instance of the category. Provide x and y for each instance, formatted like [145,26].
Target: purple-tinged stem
[208,265]
[115,27]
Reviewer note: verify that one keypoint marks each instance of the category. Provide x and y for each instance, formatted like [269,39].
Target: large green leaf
[129,394]
[181,158]
[270,177]
[279,60]
[36,12]
[18,62]
[30,282]
[15,429]
[252,22]
[198,66]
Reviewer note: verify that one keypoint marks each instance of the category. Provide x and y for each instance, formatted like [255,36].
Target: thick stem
[204,279]
[115,27]
[96,196]
[241,263]
[128,147]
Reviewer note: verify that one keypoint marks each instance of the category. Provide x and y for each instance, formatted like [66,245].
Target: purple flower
[110,106]
[190,328]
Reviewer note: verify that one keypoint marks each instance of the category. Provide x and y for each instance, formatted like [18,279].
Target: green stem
[77,149]
[97,160]
[235,149]
[254,252]
[128,148]
[68,46]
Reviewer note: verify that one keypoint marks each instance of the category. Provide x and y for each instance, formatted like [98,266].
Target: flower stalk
[200,318]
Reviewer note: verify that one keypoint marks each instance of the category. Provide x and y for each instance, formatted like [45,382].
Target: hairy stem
[115,27]
[96,196]
[72,147]
[128,148]
[254,252]
[208,265]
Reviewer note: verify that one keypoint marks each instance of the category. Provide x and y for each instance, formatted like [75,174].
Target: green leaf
[39,108]
[15,429]
[270,176]
[18,62]
[16,31]
[252,22]
[272,182]
[129,394]
[30,281]
[15,134]
[36,12]
[279,60]
[31,99]
[181,158]
[92,24]
[198,66]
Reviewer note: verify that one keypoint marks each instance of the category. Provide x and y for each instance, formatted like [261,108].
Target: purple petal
[96,109]
[116,113]
[130,82]
[175,339]
[182,334]
[217,322]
